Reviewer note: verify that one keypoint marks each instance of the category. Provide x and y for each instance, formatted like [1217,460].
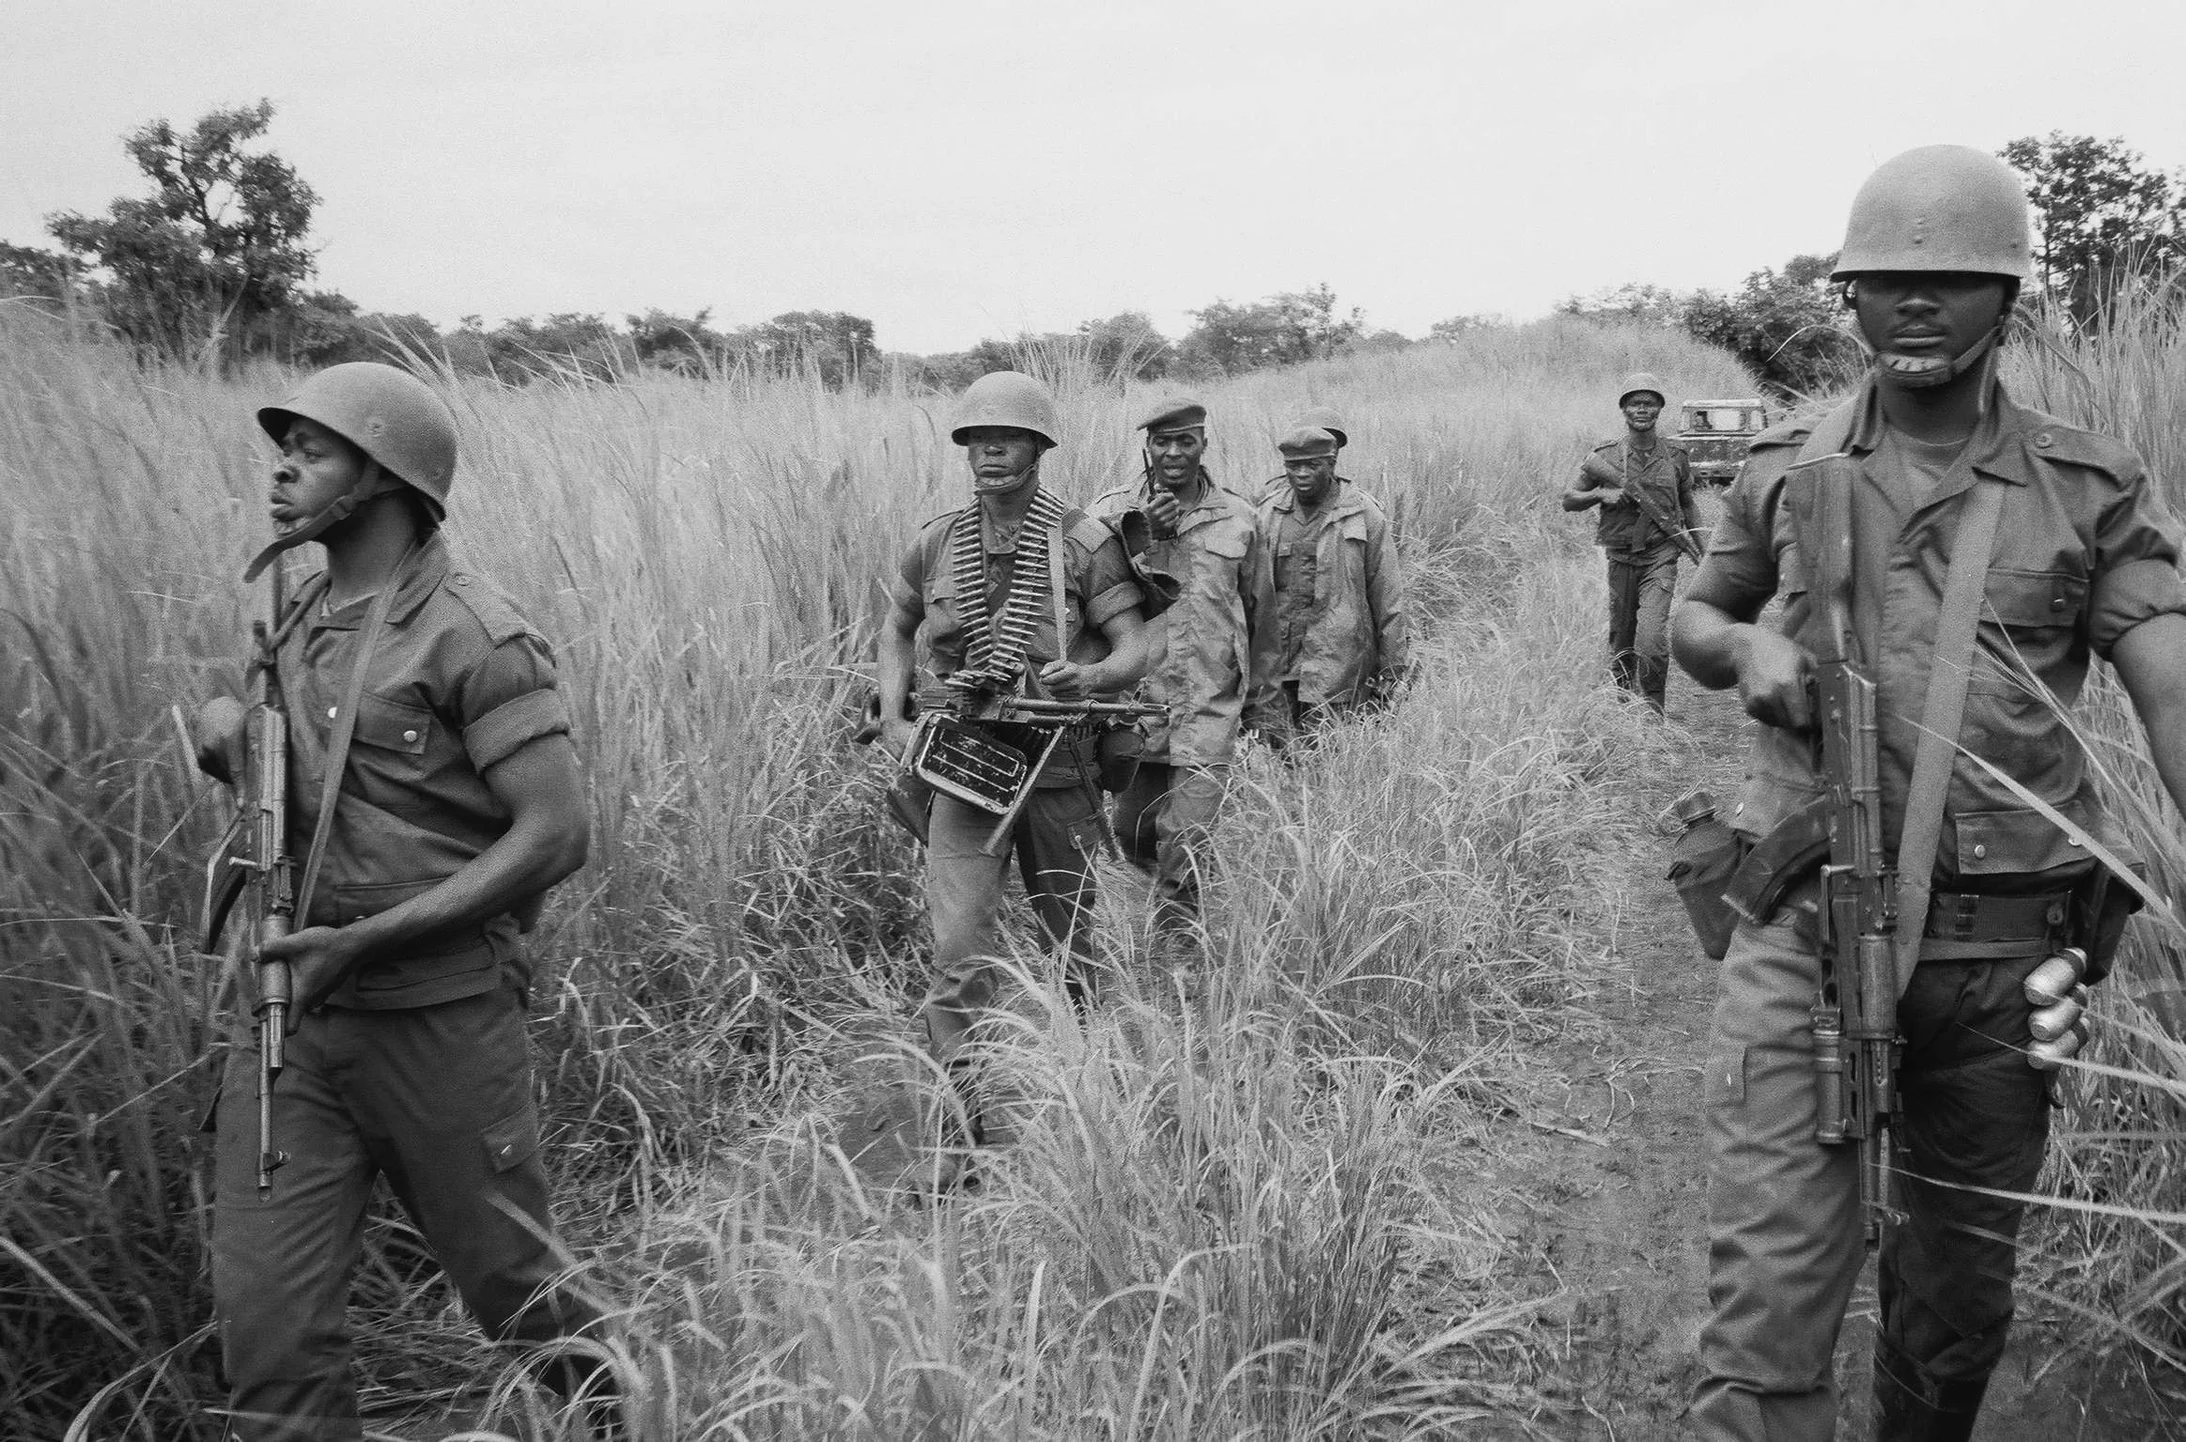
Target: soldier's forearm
[2151,661]
[1707,642]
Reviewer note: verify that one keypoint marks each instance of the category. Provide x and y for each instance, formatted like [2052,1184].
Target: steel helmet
[1006,398]
[1323,418]
[1940,207]
[1642,381]
[389,414]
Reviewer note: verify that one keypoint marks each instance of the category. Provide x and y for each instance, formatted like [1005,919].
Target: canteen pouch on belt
[2101,906]
[1118,750]
[1702,860]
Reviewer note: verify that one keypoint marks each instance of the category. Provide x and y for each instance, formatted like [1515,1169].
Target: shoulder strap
[1950,666]
[337,746]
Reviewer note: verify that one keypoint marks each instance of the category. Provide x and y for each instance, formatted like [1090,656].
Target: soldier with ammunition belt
[1017,594]
[429,762]
[1915,936]
[1339,591]
[1196,546]
[1644,486]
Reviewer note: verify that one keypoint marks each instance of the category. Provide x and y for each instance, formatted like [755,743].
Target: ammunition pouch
[1702,860]
[911,805]
[2101,905]
[1117,751]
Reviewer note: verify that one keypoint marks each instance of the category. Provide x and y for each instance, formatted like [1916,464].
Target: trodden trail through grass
[1609,1194]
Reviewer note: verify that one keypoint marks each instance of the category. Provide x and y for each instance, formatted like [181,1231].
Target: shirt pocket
[1218,560]
[2038,612]
[391,725]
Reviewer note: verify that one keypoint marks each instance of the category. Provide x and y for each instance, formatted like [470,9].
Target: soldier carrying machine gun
[987,748]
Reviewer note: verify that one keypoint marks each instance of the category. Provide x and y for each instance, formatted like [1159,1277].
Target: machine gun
[254,856]
[1856,1045]
[987,748]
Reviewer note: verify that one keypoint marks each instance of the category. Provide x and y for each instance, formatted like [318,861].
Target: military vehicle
[1716,433]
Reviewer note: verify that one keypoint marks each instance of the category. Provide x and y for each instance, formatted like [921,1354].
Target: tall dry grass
[1232,1218]
[2112,1254]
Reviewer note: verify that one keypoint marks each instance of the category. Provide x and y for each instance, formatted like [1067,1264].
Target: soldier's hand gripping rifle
[1650,506]
[988,748]
[254,858]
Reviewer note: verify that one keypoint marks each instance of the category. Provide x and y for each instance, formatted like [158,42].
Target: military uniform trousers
[1785,1231]
[436,1098]
[1057,836]
[1165,825]
[1640,589]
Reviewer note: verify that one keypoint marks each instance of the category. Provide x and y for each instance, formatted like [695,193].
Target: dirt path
[1616,1162]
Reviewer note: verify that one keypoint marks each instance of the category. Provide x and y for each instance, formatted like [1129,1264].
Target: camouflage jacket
[1339,594]
[1215,644]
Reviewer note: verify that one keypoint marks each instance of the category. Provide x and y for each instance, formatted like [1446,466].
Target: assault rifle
[1650,507]
[254,856]
[1856,1043]
[987,748]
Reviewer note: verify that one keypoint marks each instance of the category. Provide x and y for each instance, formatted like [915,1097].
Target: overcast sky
[968,168]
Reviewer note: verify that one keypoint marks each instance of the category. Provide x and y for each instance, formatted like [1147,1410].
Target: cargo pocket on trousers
[1727,1079]
[511,1141]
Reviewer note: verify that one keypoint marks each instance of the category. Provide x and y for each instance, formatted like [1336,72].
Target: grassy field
[1247,1217]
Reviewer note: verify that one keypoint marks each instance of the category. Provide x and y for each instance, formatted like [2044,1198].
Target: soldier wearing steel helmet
[1213,647]
[1989,974]
[1644,487]
[1015,562]
[452,803]
[1339,590]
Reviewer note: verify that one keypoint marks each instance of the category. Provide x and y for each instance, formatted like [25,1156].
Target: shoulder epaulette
[2070,445]
[495,612]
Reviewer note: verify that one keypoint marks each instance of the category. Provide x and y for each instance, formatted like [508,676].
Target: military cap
[1176,413]
[1307,442]
[1326,418]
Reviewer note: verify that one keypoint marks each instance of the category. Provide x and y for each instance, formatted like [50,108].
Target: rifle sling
[1950,663]
[1950,666]
[337,746]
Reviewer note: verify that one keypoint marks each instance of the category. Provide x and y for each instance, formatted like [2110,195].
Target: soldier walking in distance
[1016,584]
[1644,486]
[431,763]
[1212,645]
[1339,590]
[1962,548]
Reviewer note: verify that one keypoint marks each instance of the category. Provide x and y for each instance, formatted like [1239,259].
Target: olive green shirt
[458,681]
[2084,553]
[1092,580]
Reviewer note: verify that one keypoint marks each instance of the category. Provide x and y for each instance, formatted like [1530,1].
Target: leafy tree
[1281,330]
[686,345]
[1783,324]
[1126,346]
[26,270]
[1632,301]
[1448,331]
[213,260]
[835,343]
[2098,211]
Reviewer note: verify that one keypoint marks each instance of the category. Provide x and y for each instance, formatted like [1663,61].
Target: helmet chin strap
[373,484]
[1919,373]
[1004,485]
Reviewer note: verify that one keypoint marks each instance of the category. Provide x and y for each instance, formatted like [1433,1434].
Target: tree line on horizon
[213,267]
